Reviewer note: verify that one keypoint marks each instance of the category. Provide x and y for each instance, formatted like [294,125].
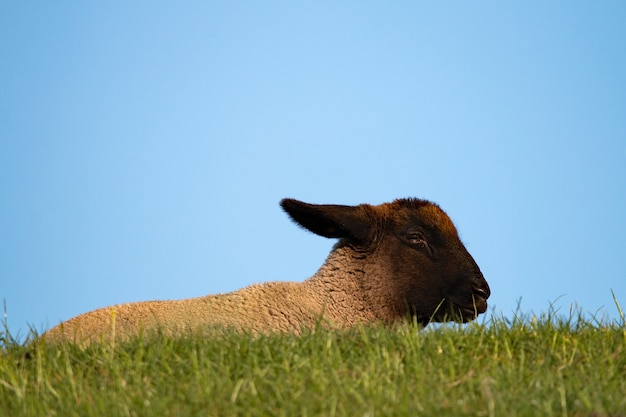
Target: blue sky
[144,146]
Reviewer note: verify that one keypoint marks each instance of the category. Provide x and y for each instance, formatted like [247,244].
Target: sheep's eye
[418,240]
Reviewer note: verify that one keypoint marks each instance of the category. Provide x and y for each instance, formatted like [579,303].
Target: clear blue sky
[144,146]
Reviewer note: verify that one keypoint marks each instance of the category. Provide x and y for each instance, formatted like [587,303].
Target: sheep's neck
[341,279]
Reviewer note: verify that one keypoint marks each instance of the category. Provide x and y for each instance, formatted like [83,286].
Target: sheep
[395,261]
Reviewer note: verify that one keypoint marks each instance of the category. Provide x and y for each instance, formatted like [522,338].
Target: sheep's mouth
[469,313]
[464,313]
[462,307]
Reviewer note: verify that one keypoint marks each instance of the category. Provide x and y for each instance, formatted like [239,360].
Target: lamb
[392,262]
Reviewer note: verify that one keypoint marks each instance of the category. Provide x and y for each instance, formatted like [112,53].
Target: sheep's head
[414,246]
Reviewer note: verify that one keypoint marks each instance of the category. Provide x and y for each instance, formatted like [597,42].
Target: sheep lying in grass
[392,261]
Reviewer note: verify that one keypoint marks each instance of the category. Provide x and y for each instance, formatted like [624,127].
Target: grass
[533,366]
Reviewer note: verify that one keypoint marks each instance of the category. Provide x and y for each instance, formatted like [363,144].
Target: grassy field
[534,366]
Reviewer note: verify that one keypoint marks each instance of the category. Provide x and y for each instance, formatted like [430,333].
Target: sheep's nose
[482,289]
[483,292]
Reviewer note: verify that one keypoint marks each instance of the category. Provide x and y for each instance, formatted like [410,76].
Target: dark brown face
[439,277]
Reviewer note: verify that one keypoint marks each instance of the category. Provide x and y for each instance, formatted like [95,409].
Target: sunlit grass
[546,365]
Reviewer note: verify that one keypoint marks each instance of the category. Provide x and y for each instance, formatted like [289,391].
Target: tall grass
[543,365]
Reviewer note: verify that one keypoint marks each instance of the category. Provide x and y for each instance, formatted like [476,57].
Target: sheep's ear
[333,221]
